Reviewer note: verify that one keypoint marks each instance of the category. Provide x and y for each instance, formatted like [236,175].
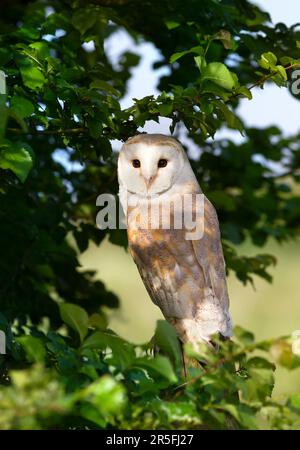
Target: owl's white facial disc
[149,169]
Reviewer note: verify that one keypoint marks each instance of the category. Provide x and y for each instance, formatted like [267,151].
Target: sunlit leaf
[166,339]
[76,317]
[17,157]
[218,73]
[34,348]
[21,106]
[158,365]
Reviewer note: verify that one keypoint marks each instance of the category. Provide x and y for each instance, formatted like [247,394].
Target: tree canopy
[58,97]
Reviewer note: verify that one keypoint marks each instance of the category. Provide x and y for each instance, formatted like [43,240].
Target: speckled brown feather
[185,278]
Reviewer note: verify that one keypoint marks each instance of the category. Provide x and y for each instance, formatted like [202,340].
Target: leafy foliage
[60,111]
[105,381]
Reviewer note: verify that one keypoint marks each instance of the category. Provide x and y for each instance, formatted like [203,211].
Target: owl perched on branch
[174,237]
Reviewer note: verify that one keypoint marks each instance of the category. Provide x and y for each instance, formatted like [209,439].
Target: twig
[225,359]
[50,132]
[262,80]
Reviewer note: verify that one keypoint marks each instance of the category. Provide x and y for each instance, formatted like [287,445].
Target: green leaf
[104,86]
[4,117]
[99,340]
[21,106]
[42,49]
[217,91]
[158,365]
[106,394]
[245,92]
[166,339]
[203,353]
[223,200]
[95,127]
[76,317]
[218,73]
[246,337]
[165,109]
[282,72]
[294,402]
[267,60]
[84,18]
[181,412]
[260,382]
[178,55]
[18,157]
[98,321]
[123,353]
[287,60]
[91,412]
[32,76]
[200,62]
[282,353]
[34,348]
[172,24]
[232,120]
[243,414]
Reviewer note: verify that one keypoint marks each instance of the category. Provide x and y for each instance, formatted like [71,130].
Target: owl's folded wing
[186,278]
[209,254]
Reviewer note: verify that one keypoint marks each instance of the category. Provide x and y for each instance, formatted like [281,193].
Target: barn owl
[184,277]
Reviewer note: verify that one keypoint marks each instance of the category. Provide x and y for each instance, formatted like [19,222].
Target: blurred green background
[269,310]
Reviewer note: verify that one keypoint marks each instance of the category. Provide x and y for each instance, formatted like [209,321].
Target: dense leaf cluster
[94,379]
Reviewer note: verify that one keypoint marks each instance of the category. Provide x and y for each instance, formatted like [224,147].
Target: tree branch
[79,131]
[263,79]
[112,3]
[227,359]
[50,132]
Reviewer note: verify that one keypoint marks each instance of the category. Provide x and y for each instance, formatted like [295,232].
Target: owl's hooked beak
[149,181]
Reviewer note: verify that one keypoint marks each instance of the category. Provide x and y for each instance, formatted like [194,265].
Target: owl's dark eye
[136,163]
[162,163]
